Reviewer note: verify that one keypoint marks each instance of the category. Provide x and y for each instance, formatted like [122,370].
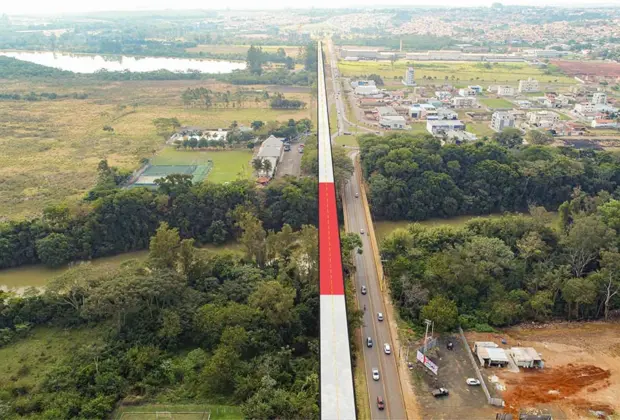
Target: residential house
[529,85]
[600,123]
[467,92]
[542,119]
[446,114]
[586,110]
[505,91]
[443,95]
[443,126]
[523,104]
[562,101]
[464,102]
[422,111]
[370,102]
[271,149]
[502,120]
[386,111]
[599,98]
[476,88]
[393,122]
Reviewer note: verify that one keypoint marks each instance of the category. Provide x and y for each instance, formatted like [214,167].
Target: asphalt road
[290,163]
[388,385]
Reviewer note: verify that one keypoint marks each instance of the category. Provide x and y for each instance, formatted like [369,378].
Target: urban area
[302,213]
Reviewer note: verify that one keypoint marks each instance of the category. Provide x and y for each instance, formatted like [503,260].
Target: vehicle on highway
[357,195]
[362,231]
[375,374]
[364,290]
[440,392]
[369,342]
[380,316]
[347,133]
[387,349]
[380,403]
[472,381]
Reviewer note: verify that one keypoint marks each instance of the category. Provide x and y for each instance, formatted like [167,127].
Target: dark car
[440,392]
[364,290]
[380,403]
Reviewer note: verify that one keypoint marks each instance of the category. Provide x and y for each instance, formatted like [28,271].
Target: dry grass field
[49,150]
[291,50]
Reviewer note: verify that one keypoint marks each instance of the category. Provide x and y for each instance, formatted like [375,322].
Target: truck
[439,392]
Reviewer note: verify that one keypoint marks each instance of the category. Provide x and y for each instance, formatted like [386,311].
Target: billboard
[427,362]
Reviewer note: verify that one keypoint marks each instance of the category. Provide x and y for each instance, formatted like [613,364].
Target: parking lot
[454,368]
[291,162]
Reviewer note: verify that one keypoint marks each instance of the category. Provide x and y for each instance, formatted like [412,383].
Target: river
[90,63]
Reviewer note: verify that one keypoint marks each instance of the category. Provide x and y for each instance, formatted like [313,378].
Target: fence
[491,400]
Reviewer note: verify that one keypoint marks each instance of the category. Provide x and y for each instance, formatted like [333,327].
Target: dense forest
[111,220]
[415,178]
[185,325]
[515,268]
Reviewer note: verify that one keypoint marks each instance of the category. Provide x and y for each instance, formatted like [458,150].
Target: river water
[90,63]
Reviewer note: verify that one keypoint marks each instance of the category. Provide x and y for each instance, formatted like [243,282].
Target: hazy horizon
[44,7]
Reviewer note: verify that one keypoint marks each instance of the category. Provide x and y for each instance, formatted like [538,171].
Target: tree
[377,79]
[539,138]
[442,312]
[164,246]
[608,277]
[253,235]
[275,301]
[257,164]
[166,126]
[509,137]
[254,60]
[55,249]
[257,125]
[267,167]
[587,237]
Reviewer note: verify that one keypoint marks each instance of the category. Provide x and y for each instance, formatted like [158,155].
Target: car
[362,231]
[380,403]
[472,381]
[368,341]
[375,374]
[364,290]
[440,392]
[380,316]
[357,195]
[387,349]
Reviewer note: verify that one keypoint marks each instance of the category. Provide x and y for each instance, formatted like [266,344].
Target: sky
[76,6]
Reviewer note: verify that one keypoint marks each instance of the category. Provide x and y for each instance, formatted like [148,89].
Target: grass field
[178,412]
[25,362]
[346,141]
[418,128]
[480,129]
[291,50]
[496,103]
[228,165]
[509,73]
[49,150]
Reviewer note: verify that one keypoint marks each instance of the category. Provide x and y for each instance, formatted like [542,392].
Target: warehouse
[526,357]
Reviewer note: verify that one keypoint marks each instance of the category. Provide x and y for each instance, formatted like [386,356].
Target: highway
[388,386]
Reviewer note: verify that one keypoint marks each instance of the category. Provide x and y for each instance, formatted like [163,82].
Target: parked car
[440,392]
[387,349]
[380,403]
[364,291]
[362,231]
[369,341]
[380,316]
[472,381]
[375,374]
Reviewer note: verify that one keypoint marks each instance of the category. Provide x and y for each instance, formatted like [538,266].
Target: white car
[375,374]
[380,316]
[362,231]
[387,349]
[472,381]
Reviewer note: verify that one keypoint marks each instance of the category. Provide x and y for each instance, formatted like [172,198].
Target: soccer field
[178,412]
[228,165]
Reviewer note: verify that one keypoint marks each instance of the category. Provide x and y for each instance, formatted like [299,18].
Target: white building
[359,53]
[271,150]
[446,114]
[523,104]
[422,110]
[502,120]
[562,100]
[529,85]
[489,354]
[443,126]
[585,109]
[464,102]
[386,111]
[356,83]
[599,123]
[467,92]
[476,88]
[544,119]
[443,95]
[366,90]
[526,357]
[505,91]
[599,98]
[409,79]
[393,122]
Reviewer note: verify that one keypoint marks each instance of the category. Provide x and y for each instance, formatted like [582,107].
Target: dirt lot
[454,369]
[579,68]
[582,369]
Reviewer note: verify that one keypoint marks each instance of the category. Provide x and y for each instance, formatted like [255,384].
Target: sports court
[154,172]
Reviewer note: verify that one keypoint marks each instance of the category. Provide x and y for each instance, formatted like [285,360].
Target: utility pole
[428,323]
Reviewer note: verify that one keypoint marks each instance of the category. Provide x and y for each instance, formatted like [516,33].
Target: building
[529,85]
[526,357]
[586,110]
[464,102]
[562,101]
[523,104]
[409,79]
[502,120]
[544,53]
[443,95]
[392,122]
[443,126]
[489,354]
[476,88]
[601,123]
[386,111]
[505,91]
[370,102]
[366,53]
[543,119]
[356,83]
[366,90]
[599,98]
[467,92]
[446,114]
[271,150]
[422,110]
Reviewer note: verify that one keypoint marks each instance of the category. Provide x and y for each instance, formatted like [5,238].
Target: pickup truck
[439,392]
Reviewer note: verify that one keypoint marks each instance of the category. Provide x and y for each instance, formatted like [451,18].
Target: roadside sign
[427,362]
